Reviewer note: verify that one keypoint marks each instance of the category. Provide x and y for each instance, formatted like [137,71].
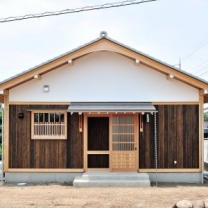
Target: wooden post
[136,127]
[85,142]
[6,130]
[201,137]
[110,143]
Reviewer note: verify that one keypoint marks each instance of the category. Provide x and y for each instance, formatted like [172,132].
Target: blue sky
[165,29]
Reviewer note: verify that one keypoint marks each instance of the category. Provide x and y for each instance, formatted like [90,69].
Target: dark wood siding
[146,144]
[27,153]
[178,138]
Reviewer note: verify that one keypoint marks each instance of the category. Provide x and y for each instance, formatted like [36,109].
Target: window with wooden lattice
[49,124]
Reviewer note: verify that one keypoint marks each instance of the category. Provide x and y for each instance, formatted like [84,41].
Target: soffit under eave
[105,45]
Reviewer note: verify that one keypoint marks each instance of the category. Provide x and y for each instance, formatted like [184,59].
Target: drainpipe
[2,123]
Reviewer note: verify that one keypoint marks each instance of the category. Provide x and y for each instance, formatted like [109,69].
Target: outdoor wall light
[37,76]
[20,115]
[70,62]
[46,88]
[80,122]
[137,62]
[141,124]
[147,117]
[170,76]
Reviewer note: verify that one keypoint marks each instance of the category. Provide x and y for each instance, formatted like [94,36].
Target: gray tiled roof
[114,41]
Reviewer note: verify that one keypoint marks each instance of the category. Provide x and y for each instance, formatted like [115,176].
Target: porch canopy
[111,107]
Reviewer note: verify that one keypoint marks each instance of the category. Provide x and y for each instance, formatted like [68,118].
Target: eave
[106,44]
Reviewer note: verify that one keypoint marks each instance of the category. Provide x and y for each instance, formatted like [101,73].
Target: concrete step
[112,179]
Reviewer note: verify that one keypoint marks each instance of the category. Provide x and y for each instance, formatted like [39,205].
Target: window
[49,124]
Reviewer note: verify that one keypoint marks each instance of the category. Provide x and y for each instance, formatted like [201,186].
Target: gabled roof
[107,44]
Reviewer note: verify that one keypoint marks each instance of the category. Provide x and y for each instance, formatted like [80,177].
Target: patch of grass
[0,148]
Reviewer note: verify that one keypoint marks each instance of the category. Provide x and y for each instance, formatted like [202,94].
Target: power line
[70,11]
[199,66]
[197,48]
[203,73]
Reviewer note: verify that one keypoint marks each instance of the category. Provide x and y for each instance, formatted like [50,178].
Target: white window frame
[51,130]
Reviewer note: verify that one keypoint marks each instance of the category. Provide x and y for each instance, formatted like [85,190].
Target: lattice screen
[123,143]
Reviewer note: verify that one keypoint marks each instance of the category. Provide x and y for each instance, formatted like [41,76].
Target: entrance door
[124,143]
[98,143]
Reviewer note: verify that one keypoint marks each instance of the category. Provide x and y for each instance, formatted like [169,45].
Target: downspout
[155,132]
[2,125]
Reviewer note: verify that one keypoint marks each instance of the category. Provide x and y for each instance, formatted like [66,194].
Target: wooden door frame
[85,141]
[136,134]
[86,152]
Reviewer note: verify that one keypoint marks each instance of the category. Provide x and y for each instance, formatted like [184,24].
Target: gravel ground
[64,195]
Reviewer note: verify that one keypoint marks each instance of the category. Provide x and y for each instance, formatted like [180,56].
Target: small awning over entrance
[118,107]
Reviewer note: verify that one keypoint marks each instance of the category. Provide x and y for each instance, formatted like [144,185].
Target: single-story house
[103,107]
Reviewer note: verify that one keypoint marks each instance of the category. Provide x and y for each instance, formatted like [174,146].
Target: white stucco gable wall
[104,77]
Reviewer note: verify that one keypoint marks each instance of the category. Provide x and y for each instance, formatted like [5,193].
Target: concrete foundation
[34,177]
[176,177]
[40,177]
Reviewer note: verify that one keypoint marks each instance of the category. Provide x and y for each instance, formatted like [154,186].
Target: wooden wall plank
[32,154]
[146,144]
[152,140]
[37,153]
[74,143]
[166,134]
[195,141]
[47,153]
[172,140]
[42,154]
[27,153]
[180,123]
[178,138]
[161,137]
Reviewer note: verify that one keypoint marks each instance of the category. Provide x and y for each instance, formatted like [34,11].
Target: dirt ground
[64,195]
